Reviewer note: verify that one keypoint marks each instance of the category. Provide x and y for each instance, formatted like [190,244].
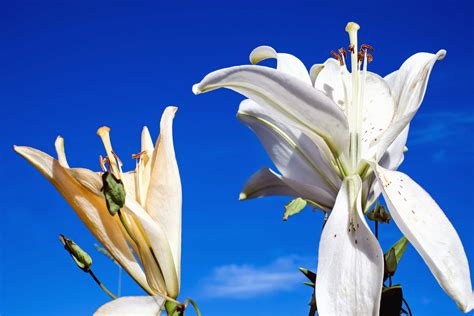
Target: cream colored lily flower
[337,138]
[150,223]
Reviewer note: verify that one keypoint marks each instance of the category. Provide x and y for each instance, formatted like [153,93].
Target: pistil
[352,29]
[104,134]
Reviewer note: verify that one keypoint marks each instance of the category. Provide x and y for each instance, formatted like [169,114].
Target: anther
[366,46]
[338,57]
[351,48]
[342,51]
[139,155]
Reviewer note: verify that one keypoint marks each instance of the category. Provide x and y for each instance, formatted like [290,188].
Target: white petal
[287,95]
[314,72]
[286,63]
[292,155]
[164,193]
[156,235]
[132,306]
[312,147]
[265,182]
[89,207]
[147,142]
[350,260]
[409,83]
[335,81]
[428,229]
[393,157]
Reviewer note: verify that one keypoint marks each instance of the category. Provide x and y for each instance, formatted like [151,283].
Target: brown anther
[338,57]
[369,57]
[366,47]
[139,155]
[342,51]
[351,48]
[360,56]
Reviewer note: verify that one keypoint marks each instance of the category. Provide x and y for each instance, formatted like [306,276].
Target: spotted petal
[428,229]
[350,260]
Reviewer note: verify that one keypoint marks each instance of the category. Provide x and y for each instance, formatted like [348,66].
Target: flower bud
[114,192]
[81,258]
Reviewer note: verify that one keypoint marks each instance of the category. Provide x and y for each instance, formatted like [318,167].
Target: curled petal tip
[261,53]
[172,108]
[242,196]
[197,89]
[441,54]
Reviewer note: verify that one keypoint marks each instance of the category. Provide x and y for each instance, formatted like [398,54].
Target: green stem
[101,285]
[172,309]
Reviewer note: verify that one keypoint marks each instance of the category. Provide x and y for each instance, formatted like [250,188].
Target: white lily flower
[336,137]
[150,223]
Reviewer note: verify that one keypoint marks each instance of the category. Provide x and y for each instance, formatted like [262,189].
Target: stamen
[103,161]
[342,51]
[351,48]
[366,47]
[338,57]
[138,155]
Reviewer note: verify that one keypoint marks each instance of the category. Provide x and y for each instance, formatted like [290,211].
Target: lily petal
[428,229]
[156,235]
[350,260]
[265,182]
[408,84]
[394,155]
[59,145]
[132,306]
[311,147]
[164,196]
[292,157]
[89,207]
[287,95]
[286,63]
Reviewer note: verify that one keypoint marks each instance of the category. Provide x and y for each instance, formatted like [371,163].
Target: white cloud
[247,281]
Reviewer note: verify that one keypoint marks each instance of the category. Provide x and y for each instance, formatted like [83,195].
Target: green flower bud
[294,207]
[80,257]
[114,192]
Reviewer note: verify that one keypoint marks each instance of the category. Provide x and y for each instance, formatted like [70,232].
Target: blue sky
[69,67]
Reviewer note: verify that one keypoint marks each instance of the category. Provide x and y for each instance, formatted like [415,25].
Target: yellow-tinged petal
[59,145]
[164,193]
[89,207]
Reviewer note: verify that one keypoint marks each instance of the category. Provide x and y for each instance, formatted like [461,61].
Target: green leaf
[80,257]
[393,256]
[294,207]
[309,274]
[391,302]
[114,192]
[310,284]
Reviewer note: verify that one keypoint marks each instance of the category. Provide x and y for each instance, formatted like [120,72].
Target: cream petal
[164,192]
[59,145]
[299,102]
[156,235]
[408,84]
[266,182]
[89,207]
[428,229]
[146,141]
[286,63]
[314,72]
[350,260]
[132,306]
